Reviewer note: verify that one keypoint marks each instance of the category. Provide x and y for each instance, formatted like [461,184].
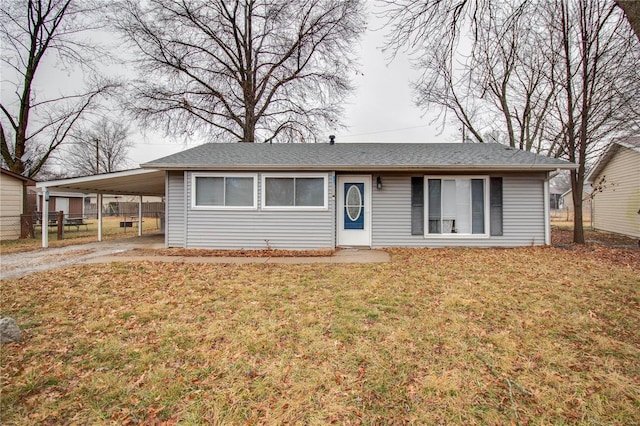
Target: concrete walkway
[340,256]
[20,264]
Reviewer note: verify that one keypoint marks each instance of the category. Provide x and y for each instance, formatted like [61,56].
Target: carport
[137,182]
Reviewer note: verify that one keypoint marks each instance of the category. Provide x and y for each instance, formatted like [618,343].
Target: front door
[354,210]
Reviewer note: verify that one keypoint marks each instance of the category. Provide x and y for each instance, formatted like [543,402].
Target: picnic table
[52,221]
[70,222]
[77,222]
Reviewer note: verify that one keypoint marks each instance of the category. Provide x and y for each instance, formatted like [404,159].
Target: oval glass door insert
[354,203]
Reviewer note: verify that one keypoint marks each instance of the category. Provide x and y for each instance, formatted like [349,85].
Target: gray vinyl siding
[260,229]
[175,206]
[523,216]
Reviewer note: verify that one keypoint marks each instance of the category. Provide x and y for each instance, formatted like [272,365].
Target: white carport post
[99,206]
[140,217]
[45,218]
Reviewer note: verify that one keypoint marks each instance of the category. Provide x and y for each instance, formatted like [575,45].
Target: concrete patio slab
[341,256]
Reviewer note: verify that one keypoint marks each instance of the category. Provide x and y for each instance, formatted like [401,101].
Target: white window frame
[263,195]
[254,176]
[487,207]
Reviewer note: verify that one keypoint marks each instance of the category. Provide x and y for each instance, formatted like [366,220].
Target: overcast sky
[380,110]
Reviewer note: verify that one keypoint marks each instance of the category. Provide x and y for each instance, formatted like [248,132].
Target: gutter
[361,168]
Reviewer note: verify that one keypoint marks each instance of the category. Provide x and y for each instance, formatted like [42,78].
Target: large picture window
[457,205]
[224,191]
[294,192]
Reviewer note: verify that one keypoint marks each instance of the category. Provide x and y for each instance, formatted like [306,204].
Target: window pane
[239,191]
[449,199]
[209,191]
[477,205]
[278,192]
[448,206]
[463,206]
[310,192]
[434,206]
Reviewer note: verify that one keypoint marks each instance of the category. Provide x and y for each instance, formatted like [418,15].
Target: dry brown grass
[562,233]
[453,336]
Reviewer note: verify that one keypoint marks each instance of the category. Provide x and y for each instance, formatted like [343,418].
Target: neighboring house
[70,203]
[115,205]
[312,196]
[11,203]
[555,197]
[566,204]
[616,177]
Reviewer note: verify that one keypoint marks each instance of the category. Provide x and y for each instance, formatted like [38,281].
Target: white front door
[354,210]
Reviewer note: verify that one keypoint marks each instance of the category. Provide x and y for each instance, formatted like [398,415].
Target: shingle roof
[355,156]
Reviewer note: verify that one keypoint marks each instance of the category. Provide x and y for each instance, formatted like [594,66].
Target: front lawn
[451,336]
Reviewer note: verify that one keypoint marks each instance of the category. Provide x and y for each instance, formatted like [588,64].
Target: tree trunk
[576,193]
[249,131]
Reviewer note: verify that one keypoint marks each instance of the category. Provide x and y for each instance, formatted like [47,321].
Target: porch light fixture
[379,183]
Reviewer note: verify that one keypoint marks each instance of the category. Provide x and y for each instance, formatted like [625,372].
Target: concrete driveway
[19,264]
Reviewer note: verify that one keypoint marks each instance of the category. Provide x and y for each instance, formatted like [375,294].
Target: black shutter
[496,206]
[417,205]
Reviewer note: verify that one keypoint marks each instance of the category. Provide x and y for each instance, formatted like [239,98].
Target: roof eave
[84,179]
[360,168]
[26,180]
[603,161]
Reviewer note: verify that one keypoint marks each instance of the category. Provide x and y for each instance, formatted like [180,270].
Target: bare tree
[599,78]
[101,148]
[499,87]
[557,77]
[33,126]
[242,70]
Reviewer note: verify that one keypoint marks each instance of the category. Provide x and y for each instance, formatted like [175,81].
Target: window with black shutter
[495,203]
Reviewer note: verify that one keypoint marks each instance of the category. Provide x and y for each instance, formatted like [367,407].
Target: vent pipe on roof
[332,139]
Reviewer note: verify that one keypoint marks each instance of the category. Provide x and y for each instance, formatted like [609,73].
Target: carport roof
[148,182]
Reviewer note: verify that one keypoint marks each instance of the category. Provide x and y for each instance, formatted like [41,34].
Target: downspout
[166,209]
[185,203]
[547,214]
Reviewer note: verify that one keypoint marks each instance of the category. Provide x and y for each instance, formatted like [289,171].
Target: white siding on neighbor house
[10,207]
[255,229]
[523,216]
[616,209]
[175,209]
